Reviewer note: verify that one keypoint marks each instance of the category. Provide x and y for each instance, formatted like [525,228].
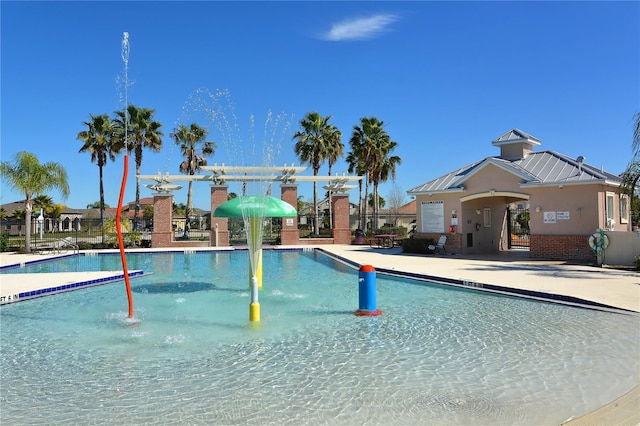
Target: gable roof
[544,168]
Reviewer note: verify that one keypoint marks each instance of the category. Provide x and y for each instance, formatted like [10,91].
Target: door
[518,226]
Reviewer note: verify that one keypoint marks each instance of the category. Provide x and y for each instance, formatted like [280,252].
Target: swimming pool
[437,355]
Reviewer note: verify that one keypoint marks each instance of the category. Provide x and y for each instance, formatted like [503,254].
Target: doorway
[518,226]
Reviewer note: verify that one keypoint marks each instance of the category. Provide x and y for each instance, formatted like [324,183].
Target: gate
[518,226]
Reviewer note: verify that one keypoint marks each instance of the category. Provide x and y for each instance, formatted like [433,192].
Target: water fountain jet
[254,209]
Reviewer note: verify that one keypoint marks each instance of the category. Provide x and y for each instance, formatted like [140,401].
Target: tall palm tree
[357,164]
[383,167]
[194,149]
[28,175]
[142,131]
[334,147]
[366,142]
[631,175]
[101,142]
[315,141]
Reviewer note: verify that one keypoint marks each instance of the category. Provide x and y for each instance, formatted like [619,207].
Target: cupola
[515,144]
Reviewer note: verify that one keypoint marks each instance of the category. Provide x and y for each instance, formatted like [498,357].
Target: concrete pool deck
[612,288]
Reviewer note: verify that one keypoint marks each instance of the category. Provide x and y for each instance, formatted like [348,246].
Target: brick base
[289,236]
[161,239]
[342,236]
[561,247]
[453,245]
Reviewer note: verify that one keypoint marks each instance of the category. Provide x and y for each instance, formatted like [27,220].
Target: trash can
[359,236]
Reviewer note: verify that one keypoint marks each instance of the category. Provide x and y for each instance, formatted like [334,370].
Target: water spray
[123,186]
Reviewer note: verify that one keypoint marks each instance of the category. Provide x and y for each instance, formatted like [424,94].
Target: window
[487,218]
[624,209]
[609,206]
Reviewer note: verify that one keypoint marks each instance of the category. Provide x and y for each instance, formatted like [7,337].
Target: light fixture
[538,209]
[478,212]
[453,212]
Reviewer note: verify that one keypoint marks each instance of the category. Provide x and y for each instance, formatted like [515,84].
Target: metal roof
[516,136]
[542,168]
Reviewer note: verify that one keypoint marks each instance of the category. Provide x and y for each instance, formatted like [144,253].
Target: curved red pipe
[125,270]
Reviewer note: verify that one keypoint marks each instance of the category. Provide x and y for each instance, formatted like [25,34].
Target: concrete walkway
[513,271]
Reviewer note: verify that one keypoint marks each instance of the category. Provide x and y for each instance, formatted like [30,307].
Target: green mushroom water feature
[253,210]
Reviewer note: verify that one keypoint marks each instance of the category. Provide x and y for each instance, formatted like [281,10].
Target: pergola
[220,175]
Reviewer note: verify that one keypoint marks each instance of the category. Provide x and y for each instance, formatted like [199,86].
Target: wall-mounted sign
[563,215]
[432,216]
[549,217]
[289,221]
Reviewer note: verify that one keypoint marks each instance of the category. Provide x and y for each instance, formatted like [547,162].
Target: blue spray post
[367,292]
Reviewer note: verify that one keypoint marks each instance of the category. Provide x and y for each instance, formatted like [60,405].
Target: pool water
[437,355]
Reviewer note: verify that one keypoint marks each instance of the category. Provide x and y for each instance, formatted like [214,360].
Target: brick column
[289,234]
[162,235]
[218,197]
[340,209]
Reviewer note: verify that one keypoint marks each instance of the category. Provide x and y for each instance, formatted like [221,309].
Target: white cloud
[361,28]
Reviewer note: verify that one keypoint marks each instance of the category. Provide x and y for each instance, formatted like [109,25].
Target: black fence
[90,233]
[83,233]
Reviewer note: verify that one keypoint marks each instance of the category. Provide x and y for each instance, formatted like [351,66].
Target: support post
[162,235]
[289,235]
[219,233]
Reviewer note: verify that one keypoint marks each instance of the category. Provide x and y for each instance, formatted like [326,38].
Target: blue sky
[447,78]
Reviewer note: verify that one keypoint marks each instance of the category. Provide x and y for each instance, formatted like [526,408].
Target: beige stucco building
[542,201]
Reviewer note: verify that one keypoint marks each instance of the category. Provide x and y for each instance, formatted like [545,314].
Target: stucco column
[289,234]
[341,230]
[219,234]
[162,234]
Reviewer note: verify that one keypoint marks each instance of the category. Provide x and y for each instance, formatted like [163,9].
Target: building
[542,201]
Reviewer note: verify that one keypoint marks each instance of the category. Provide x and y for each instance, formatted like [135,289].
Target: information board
[432,216]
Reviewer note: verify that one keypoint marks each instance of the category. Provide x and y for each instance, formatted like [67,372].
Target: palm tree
[19,214]
[383,167]
[356,160]
[364,140]
[101,142]
[28,175]
[315,143]
[334,147]
[142,131]
[44,203]
[54,212]
[631,175]
[369,156]
[195,149]
[96,205]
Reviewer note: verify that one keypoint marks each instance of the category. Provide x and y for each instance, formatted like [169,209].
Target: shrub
[399,231]
[83,245]
[4,242]
[417,245]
